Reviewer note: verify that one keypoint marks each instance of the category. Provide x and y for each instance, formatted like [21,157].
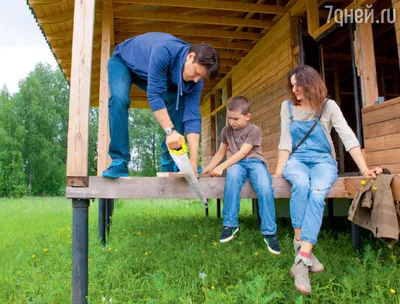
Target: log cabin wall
[381,123]
[260,77]
[396,7]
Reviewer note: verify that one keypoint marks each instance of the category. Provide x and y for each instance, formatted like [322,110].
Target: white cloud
[22,44]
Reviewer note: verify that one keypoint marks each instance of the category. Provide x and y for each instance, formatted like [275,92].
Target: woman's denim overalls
[312,171]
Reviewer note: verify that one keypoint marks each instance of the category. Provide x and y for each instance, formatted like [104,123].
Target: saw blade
[183,163]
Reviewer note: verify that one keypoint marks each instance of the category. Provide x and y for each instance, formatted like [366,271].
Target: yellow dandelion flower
[146,253]
[363,182]
[374,188]
[19,272]
[256,253]
[212,287]
[241,243]
[89,260]
[215,244]
[203,251]
[33,256]
[45,250]
[195,236]
[110,249]
[139,233]
[393,291]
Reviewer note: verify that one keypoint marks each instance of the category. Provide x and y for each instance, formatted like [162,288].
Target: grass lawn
[166,251]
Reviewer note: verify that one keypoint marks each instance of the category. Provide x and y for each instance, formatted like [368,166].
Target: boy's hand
[206,170]
[218,171]
[277,174]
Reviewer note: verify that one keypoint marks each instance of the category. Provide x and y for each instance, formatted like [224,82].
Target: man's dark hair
[239,104]
[206,56]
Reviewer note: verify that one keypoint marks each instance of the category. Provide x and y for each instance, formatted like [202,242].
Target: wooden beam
[212,187]
[62,17]
[189,32]
[103,138]
[62,35]
[366,63]
[235,6]
[312,16]
[191,18]
[218,44]
[79,101]
[43,2]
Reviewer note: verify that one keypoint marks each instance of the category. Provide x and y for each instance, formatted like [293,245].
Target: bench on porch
[173,185]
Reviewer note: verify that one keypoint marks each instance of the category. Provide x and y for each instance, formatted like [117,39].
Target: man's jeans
[261,180]
[311,179]
[120,80]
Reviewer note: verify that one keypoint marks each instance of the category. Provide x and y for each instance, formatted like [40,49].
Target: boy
[243,141]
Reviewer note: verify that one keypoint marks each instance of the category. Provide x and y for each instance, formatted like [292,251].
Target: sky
[22,44]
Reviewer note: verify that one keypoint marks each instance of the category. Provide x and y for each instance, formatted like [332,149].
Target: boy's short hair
[239,104]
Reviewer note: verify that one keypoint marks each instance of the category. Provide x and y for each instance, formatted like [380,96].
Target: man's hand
[218,171]
[173,140]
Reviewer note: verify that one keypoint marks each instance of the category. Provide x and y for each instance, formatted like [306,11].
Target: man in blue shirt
[171,71]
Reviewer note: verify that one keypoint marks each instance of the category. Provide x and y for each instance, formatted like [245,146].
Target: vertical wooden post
[366,63]
[312,16]
[103,160]
[396,7]
[79,100]
[338,101]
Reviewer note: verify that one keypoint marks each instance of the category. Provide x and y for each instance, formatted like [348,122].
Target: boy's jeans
[120,80]
[261,180]
[311,178]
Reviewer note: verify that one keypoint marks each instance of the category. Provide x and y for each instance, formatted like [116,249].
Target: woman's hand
[371,173]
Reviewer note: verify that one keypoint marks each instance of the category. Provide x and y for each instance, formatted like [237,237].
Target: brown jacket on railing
[374,208]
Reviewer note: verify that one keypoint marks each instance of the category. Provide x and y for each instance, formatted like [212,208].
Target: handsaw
[182,161]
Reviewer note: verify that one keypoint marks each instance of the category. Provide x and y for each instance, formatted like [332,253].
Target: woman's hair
[313,86]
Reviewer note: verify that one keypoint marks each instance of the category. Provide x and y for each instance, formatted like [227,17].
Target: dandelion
[110,249]
[374,188]
[33,256]
[139,233]
[212,287]
[103,299]
[256,253]
[110,300]
[202,275]
[203,251]
[215,244]
[195,236]
[240,243]
[393,291]
[45,250]
[89,260]
[363,182]
[19,272]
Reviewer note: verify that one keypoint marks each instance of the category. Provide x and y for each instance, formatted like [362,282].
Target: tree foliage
[33,136]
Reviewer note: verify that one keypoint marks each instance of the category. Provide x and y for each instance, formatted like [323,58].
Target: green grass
[166,251]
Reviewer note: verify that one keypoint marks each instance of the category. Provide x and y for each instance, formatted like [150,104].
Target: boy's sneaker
[228,233]
[116,169]
[272,243]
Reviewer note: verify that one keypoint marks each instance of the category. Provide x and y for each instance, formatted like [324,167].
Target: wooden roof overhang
[232,27]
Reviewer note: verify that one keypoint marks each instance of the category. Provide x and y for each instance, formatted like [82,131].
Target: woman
[306,159]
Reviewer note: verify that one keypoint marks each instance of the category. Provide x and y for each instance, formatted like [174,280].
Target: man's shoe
[272,243]
[316,264]
[116,169]
[228,233]
[299,272]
